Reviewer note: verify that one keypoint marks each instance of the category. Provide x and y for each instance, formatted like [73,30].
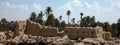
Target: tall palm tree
[81,15]
[81,19]
[48,11]
[68,14]
[49,15]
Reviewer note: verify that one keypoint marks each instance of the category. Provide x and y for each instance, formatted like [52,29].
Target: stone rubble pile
[31,33]
[40,40]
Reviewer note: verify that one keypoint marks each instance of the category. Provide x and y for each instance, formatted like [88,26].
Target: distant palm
[73,20]
[60,17]
[81,19]
[68,14]
[48,11]
[81,15]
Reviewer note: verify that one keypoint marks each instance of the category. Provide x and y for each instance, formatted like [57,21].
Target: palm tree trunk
[68,19]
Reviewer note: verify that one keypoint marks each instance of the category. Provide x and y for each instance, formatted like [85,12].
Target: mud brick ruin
[36,29]
[73,31]
[32,33]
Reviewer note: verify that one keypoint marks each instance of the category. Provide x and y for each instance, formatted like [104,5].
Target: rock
[80,43]
[20,27]
[2,37]
[79,40]
[63,41]
[9,34]
[92,41]
[2,44]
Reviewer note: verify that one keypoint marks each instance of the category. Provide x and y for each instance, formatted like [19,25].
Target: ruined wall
[20,27]
[72,25]
[107,36]
[73,31]
[83,32]
[36,29]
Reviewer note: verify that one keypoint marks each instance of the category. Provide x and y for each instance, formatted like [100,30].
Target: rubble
[31,33]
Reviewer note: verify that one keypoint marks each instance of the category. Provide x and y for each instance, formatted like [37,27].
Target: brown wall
[37,30]
[82,32]
[20,27]
[73,31]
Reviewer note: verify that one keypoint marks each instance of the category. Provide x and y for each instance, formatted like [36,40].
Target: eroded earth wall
[72,31]
[36,29]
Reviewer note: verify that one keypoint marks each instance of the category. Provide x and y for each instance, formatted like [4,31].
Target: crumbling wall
[72,25]
[72,31]
[83,32]
[2,38]
[36,29]
[107,36]
[20,27]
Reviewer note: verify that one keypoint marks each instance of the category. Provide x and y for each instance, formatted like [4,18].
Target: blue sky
[103,10]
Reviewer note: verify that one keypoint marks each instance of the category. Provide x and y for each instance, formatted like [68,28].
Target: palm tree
[60,17]
[68,14]
[48,11]
[81,19]
[50,20]
[73,20]
[81,15]
[40,18]
[50,16]
[33,16]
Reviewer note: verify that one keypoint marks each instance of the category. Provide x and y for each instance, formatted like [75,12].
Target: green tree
[62,25]
[107,27]
[81,23]
[57,23]
[114,30]
[48,11]
[60,18]
[33,17]
[99,24]
[11,25]
[40,18]
[68,14]
[73,20]
[4,24]
[88,22]
[50,20]
[1,26]
[118,27]
[50,17]
[93,22]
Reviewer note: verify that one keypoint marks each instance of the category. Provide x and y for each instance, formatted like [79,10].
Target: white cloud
[87,5]
[96,6]
[36,6]
[8,5]
[114,3]
[22,7]
[76,3]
